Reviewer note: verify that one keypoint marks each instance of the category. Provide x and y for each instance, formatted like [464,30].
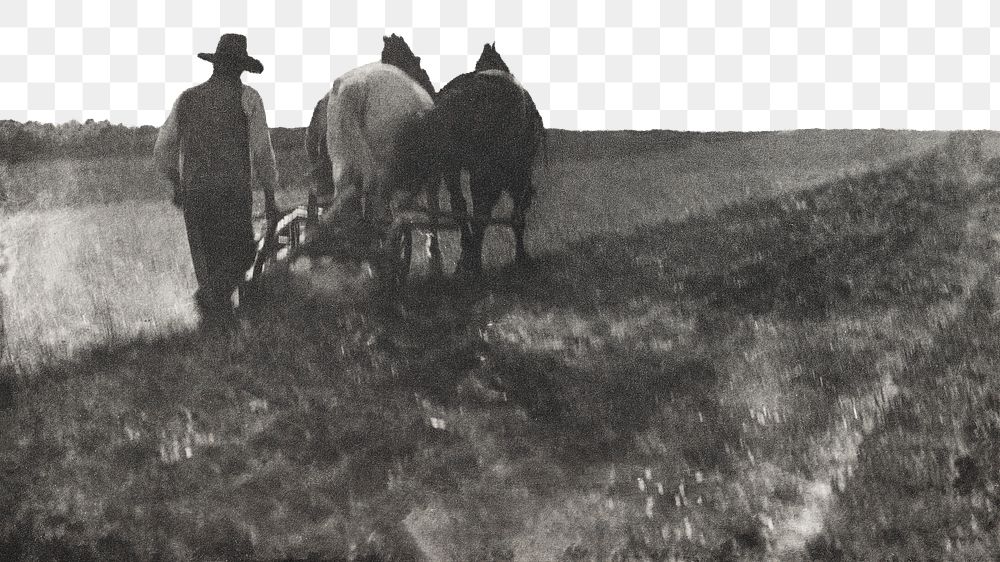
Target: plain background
[644,64]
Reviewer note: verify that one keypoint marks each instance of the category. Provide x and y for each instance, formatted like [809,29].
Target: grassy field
[736,346]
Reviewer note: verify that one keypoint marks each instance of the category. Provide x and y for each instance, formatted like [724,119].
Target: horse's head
[490,59]
[396,52]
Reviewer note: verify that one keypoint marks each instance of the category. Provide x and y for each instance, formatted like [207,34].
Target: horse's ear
[494,46]
[385,39]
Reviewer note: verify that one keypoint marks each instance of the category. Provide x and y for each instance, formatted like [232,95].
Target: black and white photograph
[526,280]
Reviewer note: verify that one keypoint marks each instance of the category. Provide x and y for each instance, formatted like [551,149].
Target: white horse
[362,141]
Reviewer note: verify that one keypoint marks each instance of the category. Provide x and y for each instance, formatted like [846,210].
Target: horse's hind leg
[485,194]
[453,180]
[435,261]
[522,192]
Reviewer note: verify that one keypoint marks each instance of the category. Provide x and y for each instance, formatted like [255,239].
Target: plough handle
[265,248]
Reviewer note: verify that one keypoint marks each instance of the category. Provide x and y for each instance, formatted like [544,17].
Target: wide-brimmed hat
[232,50]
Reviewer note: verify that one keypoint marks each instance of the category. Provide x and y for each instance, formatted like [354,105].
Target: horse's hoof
[526,264]
[435,268]
[465,272]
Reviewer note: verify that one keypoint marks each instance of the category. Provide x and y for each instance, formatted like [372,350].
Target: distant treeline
[28,141]
[20,142]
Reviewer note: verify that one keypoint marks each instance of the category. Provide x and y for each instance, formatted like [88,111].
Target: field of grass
[736,346]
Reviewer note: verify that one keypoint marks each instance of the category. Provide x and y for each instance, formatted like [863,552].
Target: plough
[393,253]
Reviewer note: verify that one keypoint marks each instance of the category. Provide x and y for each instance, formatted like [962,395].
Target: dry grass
[82,276]
[788,374]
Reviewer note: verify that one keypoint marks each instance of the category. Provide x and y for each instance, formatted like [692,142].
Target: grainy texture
[641,64]
[735,346]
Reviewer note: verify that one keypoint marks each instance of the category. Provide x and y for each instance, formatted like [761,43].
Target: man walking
[214,146]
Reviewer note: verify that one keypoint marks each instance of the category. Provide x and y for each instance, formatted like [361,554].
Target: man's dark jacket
[216,147]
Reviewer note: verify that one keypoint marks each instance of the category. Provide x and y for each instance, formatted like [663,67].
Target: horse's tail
[542,135]
[355,164]
[533,129]
[316,148]
[349,114]
[543,141]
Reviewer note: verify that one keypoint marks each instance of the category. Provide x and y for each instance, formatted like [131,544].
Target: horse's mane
[490,59]
[397,52]
[489,66]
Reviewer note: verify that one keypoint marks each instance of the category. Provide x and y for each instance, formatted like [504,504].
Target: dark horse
[486,123]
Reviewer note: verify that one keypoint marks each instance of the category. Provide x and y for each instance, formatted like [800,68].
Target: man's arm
[263,166]
[167,152]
